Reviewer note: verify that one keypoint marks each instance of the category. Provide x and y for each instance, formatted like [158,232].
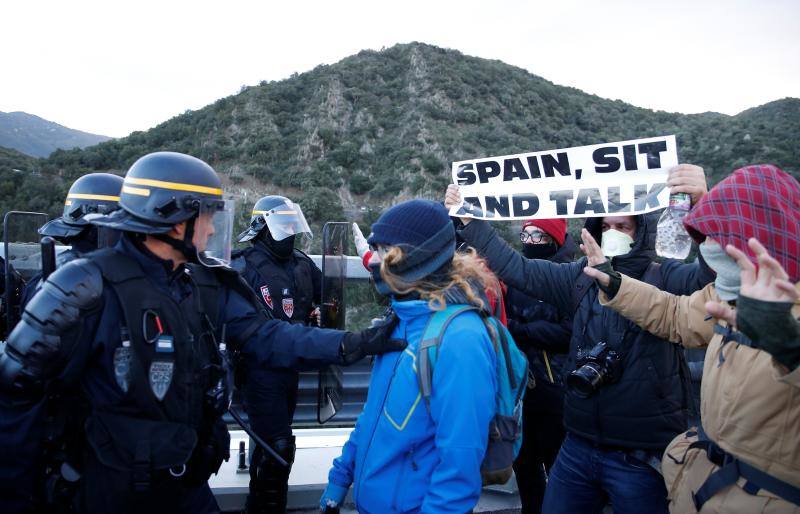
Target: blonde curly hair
[468,271]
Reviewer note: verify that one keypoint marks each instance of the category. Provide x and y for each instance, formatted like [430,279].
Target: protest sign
[623,178]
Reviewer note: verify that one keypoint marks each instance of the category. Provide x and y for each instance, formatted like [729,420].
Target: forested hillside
[378,127]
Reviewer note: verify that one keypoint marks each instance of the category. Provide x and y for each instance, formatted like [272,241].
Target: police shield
[22,260]
[332,312]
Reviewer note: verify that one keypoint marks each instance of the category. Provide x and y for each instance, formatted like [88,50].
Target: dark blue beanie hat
[423,230]
[410,223]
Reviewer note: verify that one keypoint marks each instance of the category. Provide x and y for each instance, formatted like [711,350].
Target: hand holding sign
[595,256]
[452,198]
[688,178]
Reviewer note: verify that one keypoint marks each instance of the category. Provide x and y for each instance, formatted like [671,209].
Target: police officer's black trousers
[269,479]
[270,397]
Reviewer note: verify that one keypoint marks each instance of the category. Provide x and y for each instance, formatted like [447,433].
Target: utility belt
[143,455]
[729,472]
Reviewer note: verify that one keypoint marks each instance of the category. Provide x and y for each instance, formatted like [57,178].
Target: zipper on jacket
[357,481]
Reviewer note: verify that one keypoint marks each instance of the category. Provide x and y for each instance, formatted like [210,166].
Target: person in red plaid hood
[746,455]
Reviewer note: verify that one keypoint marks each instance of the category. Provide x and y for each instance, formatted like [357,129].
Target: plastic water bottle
[672,241]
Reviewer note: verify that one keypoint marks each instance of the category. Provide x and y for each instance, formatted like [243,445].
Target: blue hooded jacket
[402,458]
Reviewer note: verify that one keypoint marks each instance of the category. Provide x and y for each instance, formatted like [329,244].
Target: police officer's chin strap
[185,245]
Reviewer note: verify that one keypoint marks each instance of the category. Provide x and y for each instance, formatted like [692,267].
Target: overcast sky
[115,66]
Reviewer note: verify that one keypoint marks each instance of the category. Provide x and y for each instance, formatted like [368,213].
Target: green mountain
[350,138]
[38,137]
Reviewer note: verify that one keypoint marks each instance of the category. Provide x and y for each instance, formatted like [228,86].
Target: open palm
[770,283]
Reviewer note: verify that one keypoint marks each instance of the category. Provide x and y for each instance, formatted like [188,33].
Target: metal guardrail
[355,267]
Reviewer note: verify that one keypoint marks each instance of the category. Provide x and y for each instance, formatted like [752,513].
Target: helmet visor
[214,230]
[286,220]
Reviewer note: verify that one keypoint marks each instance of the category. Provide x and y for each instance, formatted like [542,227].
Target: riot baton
[223,350]
[249,431]
[48,245]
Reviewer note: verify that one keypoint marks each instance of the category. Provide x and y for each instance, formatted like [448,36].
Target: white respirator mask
[615,243]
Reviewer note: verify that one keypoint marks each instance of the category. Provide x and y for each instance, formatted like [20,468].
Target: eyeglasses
[534,237]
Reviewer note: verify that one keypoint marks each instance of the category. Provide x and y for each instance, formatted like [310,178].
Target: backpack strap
[729,472]
[432,338]
[429,345]
[498,335]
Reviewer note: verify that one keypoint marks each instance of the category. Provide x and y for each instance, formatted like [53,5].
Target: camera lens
[585,380]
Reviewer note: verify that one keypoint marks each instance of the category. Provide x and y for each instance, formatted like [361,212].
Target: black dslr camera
[600,366]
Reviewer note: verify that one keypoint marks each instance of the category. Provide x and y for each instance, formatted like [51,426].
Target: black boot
[269,480]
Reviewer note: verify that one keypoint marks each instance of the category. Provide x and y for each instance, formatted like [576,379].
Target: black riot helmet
[163,189]
[281,216]
[95,193]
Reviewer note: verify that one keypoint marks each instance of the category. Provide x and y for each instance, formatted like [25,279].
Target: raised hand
[770,283]
[595,256]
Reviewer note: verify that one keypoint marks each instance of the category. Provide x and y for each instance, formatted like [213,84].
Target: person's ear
[178,231]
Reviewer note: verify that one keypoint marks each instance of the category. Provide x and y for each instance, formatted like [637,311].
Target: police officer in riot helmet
[95,193]
[145,328]
[288,283]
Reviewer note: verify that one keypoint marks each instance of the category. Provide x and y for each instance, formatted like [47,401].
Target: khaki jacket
[750,403]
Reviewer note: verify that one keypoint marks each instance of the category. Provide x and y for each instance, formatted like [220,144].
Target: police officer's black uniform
[144,339]
[288,284]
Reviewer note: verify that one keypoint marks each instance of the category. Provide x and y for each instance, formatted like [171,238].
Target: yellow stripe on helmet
[136,191]
[256,213]
[177,186]
[87,196]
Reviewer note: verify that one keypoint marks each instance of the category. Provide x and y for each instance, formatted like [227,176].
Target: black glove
[615,279]
[371,341]
[329,510]
[772,327]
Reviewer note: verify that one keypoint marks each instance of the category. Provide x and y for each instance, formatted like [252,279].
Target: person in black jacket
[543,333]
[622,424]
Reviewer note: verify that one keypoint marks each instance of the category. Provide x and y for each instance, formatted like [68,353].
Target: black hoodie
[648,406]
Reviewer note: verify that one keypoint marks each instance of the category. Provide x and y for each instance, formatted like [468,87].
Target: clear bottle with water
[672,240]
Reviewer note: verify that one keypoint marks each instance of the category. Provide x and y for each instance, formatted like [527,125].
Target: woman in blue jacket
[403,455]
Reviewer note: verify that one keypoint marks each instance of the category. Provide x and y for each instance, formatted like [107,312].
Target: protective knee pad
[269,479]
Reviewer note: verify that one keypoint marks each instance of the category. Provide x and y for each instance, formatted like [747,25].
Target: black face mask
[539,251]
[282,249]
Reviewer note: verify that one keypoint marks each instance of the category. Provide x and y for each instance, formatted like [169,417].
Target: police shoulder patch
[288,307]
[267,297]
